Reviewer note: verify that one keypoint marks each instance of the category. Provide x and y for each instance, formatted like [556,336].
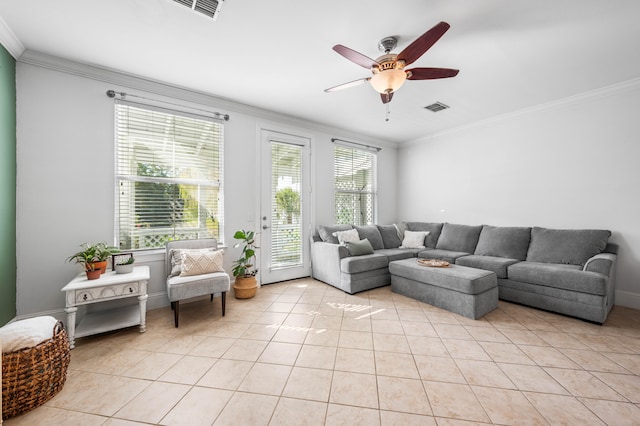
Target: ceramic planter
[124,269]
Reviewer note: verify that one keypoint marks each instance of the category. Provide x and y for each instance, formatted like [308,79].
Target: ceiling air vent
[210,8]
[437,106]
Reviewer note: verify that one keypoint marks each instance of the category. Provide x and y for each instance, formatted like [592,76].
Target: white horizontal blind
[354,185]
[169,169]
[286,205]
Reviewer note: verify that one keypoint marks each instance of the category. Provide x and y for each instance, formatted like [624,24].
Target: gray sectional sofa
[571,272]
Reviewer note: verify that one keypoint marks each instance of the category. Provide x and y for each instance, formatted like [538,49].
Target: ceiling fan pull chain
[388,112]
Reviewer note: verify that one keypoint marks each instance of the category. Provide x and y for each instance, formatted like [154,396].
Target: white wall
[65,178]
[571,164]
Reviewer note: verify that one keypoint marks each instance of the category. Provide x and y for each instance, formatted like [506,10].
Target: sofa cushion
[567,277]
[500,241]
[433,229]
[368,262]
[462,238]
[566,246]
[180,288]
[372,234]
[497,265]
[326,232]
[350,235]
[176,258]
[401,227]
[359,248]
[390,238]
[414,239]
[205,262]
[399,254]
[448,255]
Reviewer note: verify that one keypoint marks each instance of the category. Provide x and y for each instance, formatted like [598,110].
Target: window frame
[121,175]
[373,192]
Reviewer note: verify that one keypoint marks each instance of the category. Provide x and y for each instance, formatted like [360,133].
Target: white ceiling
[277,54]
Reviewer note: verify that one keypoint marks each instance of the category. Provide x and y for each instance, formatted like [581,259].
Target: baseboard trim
[627,299]
[157,301]
[58,314]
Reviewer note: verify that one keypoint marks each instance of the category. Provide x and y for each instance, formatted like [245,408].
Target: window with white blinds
[169,169]
[354,185]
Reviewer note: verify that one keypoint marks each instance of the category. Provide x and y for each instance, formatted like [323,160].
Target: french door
[284,207]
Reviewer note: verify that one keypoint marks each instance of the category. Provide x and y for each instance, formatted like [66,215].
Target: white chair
[181,287]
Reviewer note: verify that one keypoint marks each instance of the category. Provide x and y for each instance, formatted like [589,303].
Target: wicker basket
[32,376]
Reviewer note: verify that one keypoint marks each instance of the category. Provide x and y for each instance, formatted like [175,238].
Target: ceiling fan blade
[431,73]
[356,57]
[353,83]
[423,43]
[386,97]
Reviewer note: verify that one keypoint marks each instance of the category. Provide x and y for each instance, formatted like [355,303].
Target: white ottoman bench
[465,291]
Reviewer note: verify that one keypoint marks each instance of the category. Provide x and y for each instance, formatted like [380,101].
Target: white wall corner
[627,299]
[9,40]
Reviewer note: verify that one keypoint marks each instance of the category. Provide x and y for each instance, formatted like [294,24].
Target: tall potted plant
[244,269]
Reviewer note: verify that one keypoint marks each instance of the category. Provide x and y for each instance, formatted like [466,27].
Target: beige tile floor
[304,353]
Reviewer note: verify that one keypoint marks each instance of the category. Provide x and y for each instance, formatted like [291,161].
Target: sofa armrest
[325,261]
[602,263]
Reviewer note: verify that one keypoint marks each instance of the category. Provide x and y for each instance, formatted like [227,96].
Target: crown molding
[160,88]
[613,89]
[9,40]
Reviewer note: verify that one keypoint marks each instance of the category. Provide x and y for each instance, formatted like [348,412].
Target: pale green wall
[7,186]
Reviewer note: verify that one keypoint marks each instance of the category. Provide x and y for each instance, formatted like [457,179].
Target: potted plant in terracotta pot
[86,257]
[244,269]
[104,252]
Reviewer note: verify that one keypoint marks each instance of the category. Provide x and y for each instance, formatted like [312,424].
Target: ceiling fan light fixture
[388,73]
[388,80]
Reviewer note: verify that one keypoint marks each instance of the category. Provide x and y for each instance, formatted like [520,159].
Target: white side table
[109,286]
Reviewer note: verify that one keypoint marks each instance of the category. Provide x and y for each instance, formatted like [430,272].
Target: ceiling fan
[388,72]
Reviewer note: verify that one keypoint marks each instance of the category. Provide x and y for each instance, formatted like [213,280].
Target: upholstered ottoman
[465,291]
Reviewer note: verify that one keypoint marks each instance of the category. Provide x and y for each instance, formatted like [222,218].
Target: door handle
[265,227]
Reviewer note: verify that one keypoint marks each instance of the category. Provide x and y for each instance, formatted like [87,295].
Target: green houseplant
[87,257]
[93,257]
[102,253]
[244,269]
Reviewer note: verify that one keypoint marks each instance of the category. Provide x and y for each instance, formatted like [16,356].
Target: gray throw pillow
[360,248]
[371,233]
[462,238]
[390,238]
[566,246]
[326,232]
[500,241]
[433,229]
